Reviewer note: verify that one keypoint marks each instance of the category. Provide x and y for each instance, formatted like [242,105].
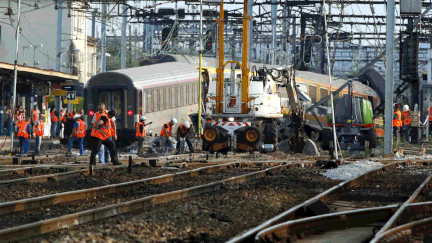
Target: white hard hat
[77,116]
[405,108]
[174,121]
[187,124]
[142,118]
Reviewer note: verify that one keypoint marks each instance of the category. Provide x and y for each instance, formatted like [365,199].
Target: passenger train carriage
[170,89]
[159,91]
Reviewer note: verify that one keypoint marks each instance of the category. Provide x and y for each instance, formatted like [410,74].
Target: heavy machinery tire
[252,135]
[372,137]
[210,135]
[270,133]
[326,139]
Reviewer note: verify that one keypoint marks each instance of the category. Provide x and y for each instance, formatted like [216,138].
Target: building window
[313,93]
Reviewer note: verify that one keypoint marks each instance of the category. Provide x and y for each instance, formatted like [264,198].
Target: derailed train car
[159,92]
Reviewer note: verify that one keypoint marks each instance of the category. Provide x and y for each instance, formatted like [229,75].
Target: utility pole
[388,112]
[94,24]
[130,46]
[123,38]
[200,70]
[17,33]
[250,33]
[59,34]
[274,37]
[103,37]
[293,42]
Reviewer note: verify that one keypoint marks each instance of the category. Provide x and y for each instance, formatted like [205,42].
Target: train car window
[313,93]
[182,95]
[167,98]
[159,95]
[179,95]
[195,93]
[371,99]
[155,100]
[324,93]
[163,99]
[173,97]
[191,93]
[148,101]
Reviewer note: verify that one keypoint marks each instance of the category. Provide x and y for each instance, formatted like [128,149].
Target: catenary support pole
[200,70]
[93,24]
[388,111]
[59,34]
[274,36]
[251,53]
[330,80]
[103,37]
[14,96]
[123,38]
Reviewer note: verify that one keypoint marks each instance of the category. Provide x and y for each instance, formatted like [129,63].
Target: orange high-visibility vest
[23,132]
[35,115]
[104,131]
[39,128]
[54,118]
[80,132]
[397,119]
[18,119]
[406,118]
[111,127]
[166,132]
[138,132]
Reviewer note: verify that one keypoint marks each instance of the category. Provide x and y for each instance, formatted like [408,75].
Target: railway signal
[209,41]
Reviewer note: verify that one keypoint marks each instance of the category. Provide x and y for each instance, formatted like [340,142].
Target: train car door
[113,100]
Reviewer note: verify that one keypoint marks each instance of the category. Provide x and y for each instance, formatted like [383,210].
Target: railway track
[390,199]
[77,207]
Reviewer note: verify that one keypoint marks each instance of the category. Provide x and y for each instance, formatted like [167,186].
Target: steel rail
[423,226]
[337,221]
[299,228]
[55,177]
[23,170]
[317,201]
[45,226]
[396,218]
[52,199]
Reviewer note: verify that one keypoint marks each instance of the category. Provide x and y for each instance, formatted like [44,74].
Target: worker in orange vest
[100,134]
[54,122]
[184,131]
[34,117]
[397,121]
[24,135]
[78,133]
[39,132]
[141,133]
[406,121]
[166,138]
[18,119]
[104,152]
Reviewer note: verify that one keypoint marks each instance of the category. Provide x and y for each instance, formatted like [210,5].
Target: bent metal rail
[317,204]
[41,227]
[338,221]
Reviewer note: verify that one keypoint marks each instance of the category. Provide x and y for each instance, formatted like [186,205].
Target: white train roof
[147,76]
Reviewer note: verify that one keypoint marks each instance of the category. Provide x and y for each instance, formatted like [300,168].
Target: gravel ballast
[214,217]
